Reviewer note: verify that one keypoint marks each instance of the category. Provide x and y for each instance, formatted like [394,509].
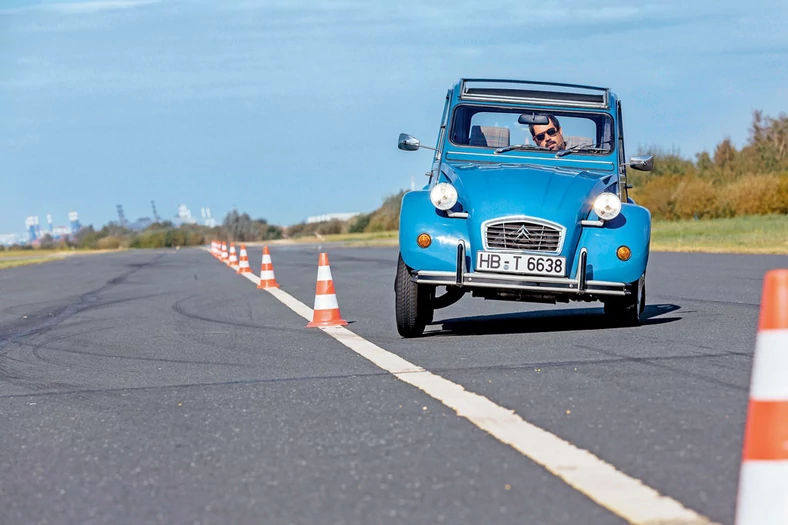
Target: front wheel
[628,310]
[413,303]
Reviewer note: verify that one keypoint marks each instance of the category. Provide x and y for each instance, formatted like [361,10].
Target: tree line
[729,182]
[236,226]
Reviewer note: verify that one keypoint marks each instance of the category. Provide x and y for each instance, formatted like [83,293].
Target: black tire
[414,308]
[628,310]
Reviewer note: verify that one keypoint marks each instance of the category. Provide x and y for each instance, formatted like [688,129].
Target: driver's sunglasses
[551,132]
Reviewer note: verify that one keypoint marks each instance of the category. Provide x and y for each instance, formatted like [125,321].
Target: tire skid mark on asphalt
[623,495]
[44,347]
[80,391]
[84,302]
[178,308]
[679,371]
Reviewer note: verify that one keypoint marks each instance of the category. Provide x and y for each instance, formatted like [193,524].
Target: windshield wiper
[581,147]
[518,146]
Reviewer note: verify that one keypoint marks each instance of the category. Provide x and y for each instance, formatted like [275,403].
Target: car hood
[554,194]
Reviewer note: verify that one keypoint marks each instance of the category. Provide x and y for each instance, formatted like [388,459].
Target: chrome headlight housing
[443,196]
[607,206]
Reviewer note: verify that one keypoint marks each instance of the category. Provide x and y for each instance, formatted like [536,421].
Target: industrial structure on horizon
[34,233]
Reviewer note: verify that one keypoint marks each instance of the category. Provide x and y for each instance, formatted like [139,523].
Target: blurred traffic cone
[232,261]
[326,311]
[243,264]
[225,256]
[763,482]
[215,249]
[267,279]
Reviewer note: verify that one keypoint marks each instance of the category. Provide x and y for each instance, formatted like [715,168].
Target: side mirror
[642,163]
[408,143]
[535,119]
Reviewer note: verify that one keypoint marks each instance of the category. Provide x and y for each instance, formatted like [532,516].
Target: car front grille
[519,234]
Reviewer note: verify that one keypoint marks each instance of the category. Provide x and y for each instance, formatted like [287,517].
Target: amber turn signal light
[424,240]
[624,253]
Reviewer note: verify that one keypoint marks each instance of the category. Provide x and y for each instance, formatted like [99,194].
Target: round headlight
[443,196]
[607,206]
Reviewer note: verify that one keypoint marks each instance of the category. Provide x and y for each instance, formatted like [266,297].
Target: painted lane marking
[623,495]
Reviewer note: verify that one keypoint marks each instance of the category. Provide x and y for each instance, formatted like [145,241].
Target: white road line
[621,494]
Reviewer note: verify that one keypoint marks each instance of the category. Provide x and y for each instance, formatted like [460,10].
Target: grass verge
[11,263]
[754,234]
[388,238]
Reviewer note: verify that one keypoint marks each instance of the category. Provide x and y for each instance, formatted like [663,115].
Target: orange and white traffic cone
[763,482]
[215,248]
[243,264]
[225,256]
[326,312]
[232,261]
[267,278]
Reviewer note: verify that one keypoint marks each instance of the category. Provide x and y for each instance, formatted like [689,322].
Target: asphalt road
[160,387]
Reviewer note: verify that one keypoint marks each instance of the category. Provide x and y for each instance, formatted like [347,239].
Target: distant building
[60,232]
[207,219]
[184,216]
[73,219]
[33,228]
[331,217]
[9,239]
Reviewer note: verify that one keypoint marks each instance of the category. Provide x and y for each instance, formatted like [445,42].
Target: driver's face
[543,138]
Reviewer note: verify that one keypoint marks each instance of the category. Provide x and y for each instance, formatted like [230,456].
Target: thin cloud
[104,5]
[81,7]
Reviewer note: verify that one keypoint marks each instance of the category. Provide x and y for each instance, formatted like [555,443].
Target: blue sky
[292,108]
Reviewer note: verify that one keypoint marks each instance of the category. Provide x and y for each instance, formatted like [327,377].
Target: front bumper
[578,285]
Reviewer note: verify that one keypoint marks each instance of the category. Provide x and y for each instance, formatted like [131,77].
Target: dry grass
[11,263]
[387,238]
[13,258]
[754,234]
[28,253]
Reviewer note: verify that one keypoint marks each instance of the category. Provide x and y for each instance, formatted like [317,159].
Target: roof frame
[538,93]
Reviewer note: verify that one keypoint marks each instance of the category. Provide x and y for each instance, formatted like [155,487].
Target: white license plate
[503,262]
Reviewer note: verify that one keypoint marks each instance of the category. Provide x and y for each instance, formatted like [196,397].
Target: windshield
[503,129]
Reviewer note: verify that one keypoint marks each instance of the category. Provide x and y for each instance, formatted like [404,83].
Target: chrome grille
[521,234]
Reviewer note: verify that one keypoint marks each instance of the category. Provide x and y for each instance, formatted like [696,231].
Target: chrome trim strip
[595,224]
[524,283]
[512,218]
[457,214]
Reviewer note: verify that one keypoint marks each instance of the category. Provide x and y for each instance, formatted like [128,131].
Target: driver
[548,135]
